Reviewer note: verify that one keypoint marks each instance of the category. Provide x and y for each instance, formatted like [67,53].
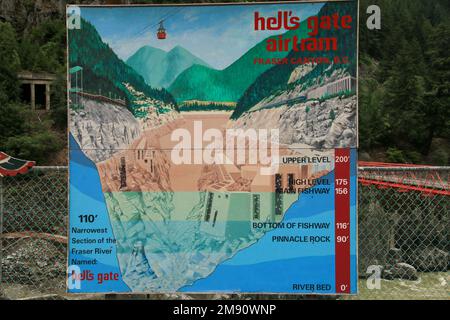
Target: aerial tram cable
[161,33]
[162,17]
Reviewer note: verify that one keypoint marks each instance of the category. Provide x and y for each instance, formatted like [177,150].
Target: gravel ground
[32,267]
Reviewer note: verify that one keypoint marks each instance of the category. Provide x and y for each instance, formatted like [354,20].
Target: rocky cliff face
[25,14]
[324,123]
[327,124]
[151,113]
[102,129]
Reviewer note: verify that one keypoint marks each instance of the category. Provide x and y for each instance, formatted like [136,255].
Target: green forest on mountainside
[203,83]
[103,70]
[160,68]
[212,106]
[276,78]
[404,87]
[404,83]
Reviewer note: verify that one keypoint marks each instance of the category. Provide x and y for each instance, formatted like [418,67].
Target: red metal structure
[428,180]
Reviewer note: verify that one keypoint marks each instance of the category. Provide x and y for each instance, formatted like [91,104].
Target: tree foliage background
[404,100]
[23,133]
[404,88]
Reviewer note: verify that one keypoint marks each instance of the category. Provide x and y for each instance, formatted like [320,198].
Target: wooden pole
[47,96]
[33,96]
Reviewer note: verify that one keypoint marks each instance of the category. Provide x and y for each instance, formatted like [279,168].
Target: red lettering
[272,24]
[102,277]
[260,23]
[346,22]
[283,19]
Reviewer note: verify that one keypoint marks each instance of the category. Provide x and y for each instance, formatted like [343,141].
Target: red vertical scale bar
[342,219]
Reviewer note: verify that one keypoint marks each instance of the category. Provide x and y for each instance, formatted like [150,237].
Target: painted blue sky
[217,34]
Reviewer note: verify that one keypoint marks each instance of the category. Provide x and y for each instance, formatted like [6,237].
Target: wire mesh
[403,234]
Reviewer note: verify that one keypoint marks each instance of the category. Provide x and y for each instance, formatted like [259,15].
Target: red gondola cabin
[161,32]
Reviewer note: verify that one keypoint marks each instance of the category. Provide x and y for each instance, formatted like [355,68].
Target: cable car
[161,31]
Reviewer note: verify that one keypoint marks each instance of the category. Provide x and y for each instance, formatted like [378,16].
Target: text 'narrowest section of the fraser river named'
[98,245]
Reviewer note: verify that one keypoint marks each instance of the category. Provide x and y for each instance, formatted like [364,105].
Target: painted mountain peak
[106,76]
[203,83]
[160,68]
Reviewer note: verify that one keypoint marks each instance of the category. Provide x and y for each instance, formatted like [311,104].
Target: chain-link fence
[403,229]
[403,232]
[33,233]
